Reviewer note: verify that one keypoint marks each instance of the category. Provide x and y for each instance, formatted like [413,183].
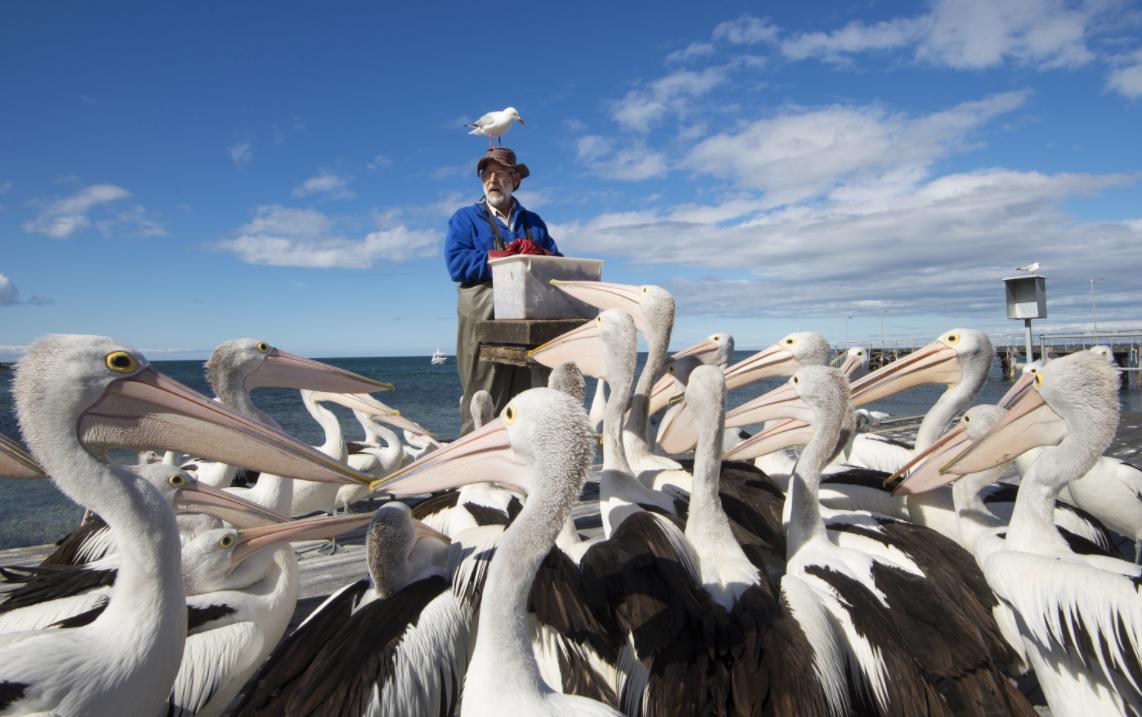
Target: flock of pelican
[811,568]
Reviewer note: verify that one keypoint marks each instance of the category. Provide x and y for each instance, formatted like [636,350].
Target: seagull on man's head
[494,124]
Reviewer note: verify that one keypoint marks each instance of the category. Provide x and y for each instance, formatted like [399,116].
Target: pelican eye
[966,418]
[227,541]
[796,379]
[644,289]
[599,319]
[121,362]
[510,414]
[1038,379]
[177,480]
[671,368]
[263,347]
[790,341]
[952,339]
[715,338]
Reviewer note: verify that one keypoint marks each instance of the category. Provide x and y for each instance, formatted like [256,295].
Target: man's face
[499,182]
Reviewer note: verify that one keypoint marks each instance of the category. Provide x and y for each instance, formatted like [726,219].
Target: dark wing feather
[435,504]
[69,549]
[11,693]
[50,583]
[265,693]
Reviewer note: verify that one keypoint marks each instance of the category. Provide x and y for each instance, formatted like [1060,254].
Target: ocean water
[34,512]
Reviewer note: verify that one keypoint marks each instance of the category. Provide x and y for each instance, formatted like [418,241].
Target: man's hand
[519,246]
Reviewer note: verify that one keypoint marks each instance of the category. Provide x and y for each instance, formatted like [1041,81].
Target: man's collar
[488,209]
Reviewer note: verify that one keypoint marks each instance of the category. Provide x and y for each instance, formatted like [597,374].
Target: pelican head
[567,377]
[958,357]
[923,471]
[186,494]
[401,549]
[250,364]
[1073,395]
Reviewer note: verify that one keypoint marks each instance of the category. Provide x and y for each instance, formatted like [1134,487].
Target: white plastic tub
[520,287]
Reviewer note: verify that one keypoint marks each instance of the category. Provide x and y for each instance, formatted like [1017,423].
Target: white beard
[505,193]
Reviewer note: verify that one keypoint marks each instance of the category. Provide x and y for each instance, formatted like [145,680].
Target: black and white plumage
[1080,616]
[70,389]
[394,643]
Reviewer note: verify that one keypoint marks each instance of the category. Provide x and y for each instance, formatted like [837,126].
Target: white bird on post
[494,124]
[1029,268]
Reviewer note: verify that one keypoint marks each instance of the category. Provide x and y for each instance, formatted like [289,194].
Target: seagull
[494,124]
[1030,268]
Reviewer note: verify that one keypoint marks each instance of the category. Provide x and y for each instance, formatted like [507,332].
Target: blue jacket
[470,239]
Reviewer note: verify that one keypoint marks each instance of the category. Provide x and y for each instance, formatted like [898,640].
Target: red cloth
[519,246]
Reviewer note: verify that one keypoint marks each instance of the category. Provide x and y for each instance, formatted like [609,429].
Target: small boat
[438,357]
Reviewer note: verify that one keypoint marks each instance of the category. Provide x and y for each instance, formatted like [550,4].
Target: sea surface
[35,512]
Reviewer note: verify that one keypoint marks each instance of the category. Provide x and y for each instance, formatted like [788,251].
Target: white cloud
[5,186]
[632,162]
[325,183]
[136,220]
[281,236]
[692,51]
[853,38]
[380,162]
[1126,79]
[670,95]
[804,153]
[937,246]
[241,153]
[10,296]
[64,217]
[746,31]
[973,34]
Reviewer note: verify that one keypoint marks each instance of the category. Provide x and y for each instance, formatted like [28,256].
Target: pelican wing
[51,594]
[211,661]
[89,542]
[289,660]
[1069,605]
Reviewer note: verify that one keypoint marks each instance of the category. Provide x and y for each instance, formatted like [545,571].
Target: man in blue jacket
[497,225]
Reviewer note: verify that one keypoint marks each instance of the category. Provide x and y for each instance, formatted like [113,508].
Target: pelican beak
[362,402]
[705,350]
[851,365]
[1030,423]
[581,345]
[773,361]
[678,432]
[781,402]
[15,462]
[405,424]
[934,363]
[667,391]
[604,296]
[927,476]
[197,497]
[1017,390]
[149,410]
[253,540]
[483,456]
[785,434]
[285,370]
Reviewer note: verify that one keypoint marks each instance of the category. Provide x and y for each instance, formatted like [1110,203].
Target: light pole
[847,328]
[882,341]
[1093,309]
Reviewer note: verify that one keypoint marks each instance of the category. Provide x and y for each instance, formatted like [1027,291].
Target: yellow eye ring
[1038,379]
[966,418]
[796,379]
[715,338]
[121,362]
[790,341]
[952,339]
[599,319]
[644,289]
[227,541]
[176,480]
[263,347]
[510,414]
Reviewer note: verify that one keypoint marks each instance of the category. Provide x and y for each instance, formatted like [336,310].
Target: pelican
[803,348]
[549,432]
[714,350]
[1080,616]
[246,594]
[859,609]
[652,308]
[394,643]
[70,390]
[58,592]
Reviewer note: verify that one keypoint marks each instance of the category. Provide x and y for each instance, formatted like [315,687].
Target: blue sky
[178,175]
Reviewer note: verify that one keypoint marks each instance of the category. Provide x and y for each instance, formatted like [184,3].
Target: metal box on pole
[1026,299]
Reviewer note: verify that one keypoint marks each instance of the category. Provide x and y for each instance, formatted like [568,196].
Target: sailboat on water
[438,357]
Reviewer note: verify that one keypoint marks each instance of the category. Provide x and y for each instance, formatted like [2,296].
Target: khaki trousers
[502,381]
